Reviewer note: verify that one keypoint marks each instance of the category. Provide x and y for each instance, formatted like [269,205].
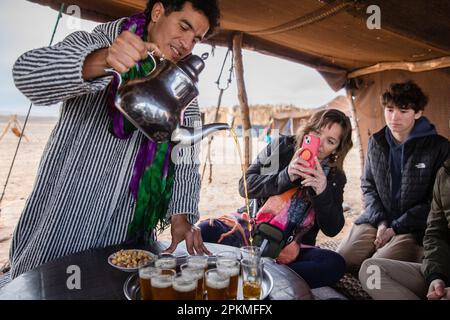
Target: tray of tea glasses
[131,287]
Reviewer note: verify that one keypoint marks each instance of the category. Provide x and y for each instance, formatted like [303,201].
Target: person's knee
[357,246]
[344,250]
[337,266]
[209,231]
[351,264]
[402,248]
[362,274]
[213,229]
[333,265]
[370,273]
[204,225]
[320,267]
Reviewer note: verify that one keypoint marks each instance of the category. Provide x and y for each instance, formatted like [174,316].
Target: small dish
[130,260]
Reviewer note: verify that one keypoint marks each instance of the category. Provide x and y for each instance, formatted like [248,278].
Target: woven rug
[349,285]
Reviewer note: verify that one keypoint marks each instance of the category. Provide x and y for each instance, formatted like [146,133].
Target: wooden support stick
[356,123]
[242,96]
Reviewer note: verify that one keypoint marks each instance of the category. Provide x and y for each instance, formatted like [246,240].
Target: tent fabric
[413,30]
[335,43]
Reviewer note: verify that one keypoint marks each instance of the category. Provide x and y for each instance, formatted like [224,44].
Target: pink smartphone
[310,149]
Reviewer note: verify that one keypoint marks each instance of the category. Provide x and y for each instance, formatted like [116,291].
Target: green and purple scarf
[153,173]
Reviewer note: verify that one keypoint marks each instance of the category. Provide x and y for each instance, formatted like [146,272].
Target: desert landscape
[217,197]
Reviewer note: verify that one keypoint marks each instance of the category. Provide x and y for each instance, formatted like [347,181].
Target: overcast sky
[268,80]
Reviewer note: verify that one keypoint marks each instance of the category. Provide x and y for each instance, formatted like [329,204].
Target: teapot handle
[151,54]
[119,76]
[115,73]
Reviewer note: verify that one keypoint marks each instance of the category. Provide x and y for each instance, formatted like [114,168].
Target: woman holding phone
[315,194]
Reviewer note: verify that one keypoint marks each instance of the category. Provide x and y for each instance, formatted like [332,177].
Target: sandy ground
[217,197]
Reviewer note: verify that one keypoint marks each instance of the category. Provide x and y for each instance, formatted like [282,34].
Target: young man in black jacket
[401,165]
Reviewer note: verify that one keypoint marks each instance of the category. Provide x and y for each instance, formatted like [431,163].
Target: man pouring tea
[100,181]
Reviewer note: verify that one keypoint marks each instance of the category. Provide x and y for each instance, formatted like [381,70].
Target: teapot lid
[192,65]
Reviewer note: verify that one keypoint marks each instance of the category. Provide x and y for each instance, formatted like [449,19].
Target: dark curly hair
[406,95]
[209,8]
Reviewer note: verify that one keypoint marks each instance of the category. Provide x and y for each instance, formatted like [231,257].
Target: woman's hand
[294,166]
[314,178]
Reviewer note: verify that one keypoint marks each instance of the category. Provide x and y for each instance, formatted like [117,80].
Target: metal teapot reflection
[155,103]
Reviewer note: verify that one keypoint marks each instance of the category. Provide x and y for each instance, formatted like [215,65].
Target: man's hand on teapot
[127,49]
[181,230]
[314,178]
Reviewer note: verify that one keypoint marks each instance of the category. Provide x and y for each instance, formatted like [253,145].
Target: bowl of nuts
[130,260]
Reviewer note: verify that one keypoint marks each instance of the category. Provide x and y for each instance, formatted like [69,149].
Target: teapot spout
[190,136]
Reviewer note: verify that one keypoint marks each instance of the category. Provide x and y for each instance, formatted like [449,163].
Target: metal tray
[131,287]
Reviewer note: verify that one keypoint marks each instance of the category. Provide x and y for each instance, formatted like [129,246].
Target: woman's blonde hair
[326,118]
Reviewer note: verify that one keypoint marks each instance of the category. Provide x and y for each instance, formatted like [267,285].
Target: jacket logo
[421,165]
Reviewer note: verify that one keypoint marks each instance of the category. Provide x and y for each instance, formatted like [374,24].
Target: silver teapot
[155,103]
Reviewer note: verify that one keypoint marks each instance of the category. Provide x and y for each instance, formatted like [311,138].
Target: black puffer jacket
[422,157]
[268,176]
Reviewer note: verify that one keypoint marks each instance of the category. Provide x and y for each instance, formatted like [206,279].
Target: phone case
[310,149]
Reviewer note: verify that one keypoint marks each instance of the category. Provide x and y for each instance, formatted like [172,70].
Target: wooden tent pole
[242,96]
[419,66]
[356,123]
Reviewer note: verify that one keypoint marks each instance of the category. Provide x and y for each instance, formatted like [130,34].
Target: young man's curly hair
[209,8]
[406,95]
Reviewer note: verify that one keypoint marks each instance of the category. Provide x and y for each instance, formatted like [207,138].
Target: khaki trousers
[358,246]
[385,279]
